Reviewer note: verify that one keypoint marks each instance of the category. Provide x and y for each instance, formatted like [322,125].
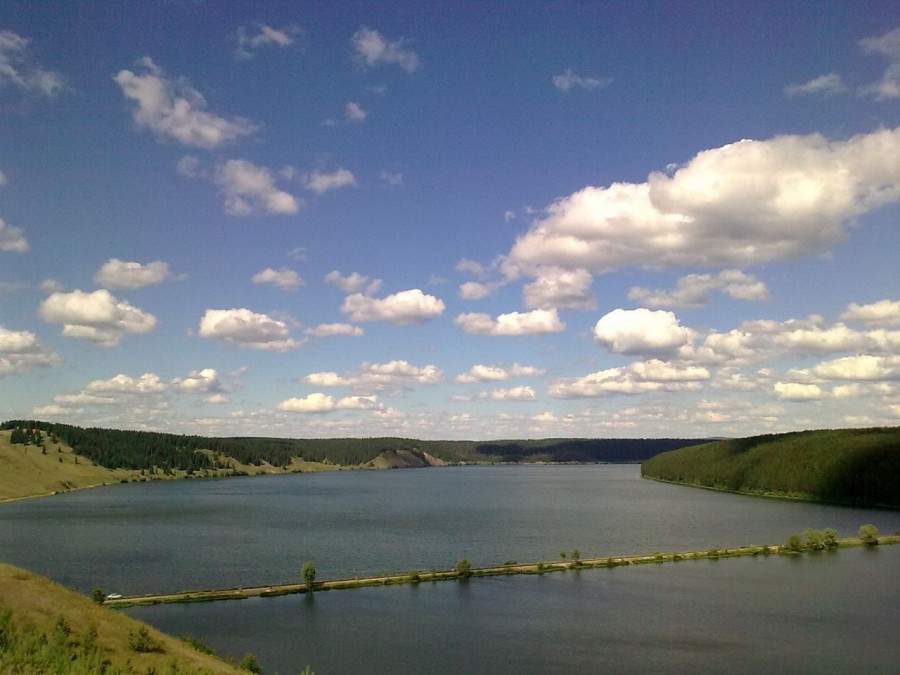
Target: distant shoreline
[812,499]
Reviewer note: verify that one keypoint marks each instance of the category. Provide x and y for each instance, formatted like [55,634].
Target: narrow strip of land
[454,574]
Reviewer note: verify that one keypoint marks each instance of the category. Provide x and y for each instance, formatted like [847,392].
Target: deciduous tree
[869,534]
[309,574]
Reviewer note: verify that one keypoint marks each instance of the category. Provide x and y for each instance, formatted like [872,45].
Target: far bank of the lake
[842,466]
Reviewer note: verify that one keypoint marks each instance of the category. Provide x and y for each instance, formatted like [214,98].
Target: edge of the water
[812,499]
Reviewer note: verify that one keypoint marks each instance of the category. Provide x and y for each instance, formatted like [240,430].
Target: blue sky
[450,220]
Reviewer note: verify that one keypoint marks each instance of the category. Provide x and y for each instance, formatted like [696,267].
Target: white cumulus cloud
[243,328]
[476,290]
[251,189]
[638,378]
[535,322]
[148,383]
[322,403]
[12,238]
[744,203]
[324,182]
[860,367]
[373,49]
[117,273]
[174,109]
[471,267]
[353,282]
[560,288]
[20,351]
[888,46]
[881,314]
[393,377]
[514,394]
[756,341]
[284,279]
[205,381]
[642,331]
[401,309]
[331,329]
[794,391]
[124,394]
[483,373]
[98,317]
[694,290]
[18,68]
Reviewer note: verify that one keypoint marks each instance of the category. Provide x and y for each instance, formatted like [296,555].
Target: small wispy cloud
[353,112]
[323,182]
[373,49]
[830,84]
[172,108]
[887,45]
[19,69]
[250,39]
[568,80]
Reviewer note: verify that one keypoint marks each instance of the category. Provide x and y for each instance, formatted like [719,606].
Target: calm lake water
[824,613]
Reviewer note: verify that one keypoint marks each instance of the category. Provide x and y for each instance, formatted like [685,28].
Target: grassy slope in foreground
[856,466]
[31,606]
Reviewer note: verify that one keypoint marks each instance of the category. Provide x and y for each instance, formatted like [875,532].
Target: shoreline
[774,495]
[418,577]
[7,500]
[161,479]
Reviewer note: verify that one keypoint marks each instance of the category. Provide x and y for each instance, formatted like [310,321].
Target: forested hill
[853,466]
[120,449]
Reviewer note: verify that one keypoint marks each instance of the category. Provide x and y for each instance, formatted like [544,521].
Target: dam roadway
[272,590]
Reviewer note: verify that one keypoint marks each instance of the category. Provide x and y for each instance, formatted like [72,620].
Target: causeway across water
[449,575]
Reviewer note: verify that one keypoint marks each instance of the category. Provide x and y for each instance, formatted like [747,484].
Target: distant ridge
[848,466]
[145,450]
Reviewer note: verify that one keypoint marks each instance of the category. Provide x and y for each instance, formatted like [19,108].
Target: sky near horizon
[450,220]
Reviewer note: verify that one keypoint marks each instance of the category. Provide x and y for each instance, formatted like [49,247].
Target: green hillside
[853,466]
[46,628]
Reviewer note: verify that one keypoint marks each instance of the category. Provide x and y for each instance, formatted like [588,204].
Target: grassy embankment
[507,569]
[26,471]
[46,628]
[848,466]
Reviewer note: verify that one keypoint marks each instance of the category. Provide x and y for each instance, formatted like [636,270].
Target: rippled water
[828,613]
[238,532]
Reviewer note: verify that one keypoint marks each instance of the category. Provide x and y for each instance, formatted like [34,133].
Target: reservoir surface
[819,612]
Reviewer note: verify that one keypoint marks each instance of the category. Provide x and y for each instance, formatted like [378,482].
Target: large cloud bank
[745,203]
